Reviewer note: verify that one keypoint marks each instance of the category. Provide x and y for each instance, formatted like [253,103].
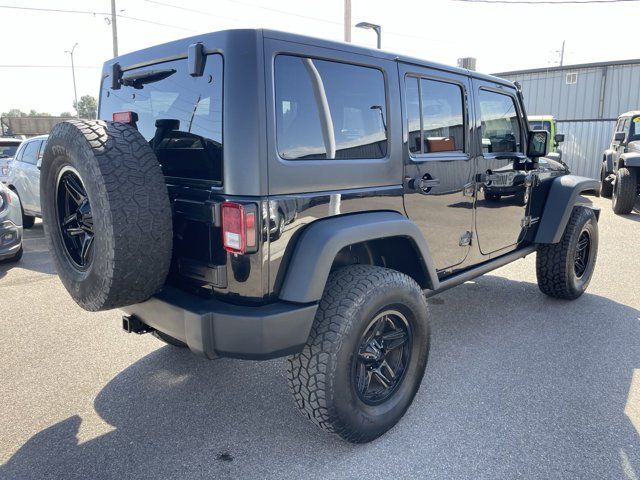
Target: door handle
[423,184]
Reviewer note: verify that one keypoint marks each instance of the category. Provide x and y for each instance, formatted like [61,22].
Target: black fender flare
[564,194]
[320,242]
[608,160]
[631,159]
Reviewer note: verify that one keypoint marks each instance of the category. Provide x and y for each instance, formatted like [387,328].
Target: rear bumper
[10,239]
[212,328]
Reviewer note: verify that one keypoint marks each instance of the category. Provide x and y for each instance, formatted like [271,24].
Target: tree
[34,113]
[66,115]
[87,107]
[14,112]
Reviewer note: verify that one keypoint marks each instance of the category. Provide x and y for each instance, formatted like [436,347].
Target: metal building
[586,100]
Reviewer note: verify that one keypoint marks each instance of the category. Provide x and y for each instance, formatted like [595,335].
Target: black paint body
[462,228]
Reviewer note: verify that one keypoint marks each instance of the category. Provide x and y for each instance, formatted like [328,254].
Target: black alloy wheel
[581,256]
[75,218]
[382,356]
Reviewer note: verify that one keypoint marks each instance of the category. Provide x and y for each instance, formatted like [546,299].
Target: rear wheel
[624,191]
[564,269]
[366,354]
[106,207]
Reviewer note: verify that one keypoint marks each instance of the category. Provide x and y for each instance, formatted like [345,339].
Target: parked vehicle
[160,208]
[620,168]
[548,123]
[24,177]
[10,226]
[8,148]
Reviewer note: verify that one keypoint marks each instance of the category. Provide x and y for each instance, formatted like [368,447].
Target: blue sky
[502,37]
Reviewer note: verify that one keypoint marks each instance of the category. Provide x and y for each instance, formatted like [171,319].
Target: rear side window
[435,113]
[30,153]
[499,124]
[329,110]
[179,115]
[8,149]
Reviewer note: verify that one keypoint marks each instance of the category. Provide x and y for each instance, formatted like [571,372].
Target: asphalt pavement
[518,385]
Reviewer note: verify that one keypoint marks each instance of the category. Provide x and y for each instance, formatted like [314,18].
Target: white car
[8,149]
[24,177]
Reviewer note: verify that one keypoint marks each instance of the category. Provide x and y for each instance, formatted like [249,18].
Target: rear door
[502,189]
[26,177]
[438,166]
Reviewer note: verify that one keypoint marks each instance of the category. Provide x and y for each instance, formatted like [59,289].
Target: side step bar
[453,280]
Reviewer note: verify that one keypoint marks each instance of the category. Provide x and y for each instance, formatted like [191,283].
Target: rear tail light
[125,117]
[239,227]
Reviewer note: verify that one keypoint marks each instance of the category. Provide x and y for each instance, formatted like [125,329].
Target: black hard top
[215,40]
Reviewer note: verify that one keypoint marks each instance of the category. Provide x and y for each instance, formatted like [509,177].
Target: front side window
[435,114]
[499,124]
[634,134]
[179,115]
[329,110]
[30,153]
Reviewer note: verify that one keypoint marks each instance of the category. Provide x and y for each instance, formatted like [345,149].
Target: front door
[503,191]
[438,167]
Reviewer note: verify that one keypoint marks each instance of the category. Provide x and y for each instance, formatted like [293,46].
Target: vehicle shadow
[518,386]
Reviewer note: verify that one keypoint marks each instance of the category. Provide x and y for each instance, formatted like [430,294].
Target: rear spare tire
[106,213]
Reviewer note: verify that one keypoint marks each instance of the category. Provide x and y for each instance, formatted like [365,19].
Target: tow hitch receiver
[132,324]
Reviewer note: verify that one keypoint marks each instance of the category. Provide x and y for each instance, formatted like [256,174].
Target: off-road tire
[168,339]
[606,188]
[320,376]
[492,197]
[625,191]
[132,222]
[555,262]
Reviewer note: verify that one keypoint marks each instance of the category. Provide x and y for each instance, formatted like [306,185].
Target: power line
[89,12]
[46,66]
[193,10]
[546,2]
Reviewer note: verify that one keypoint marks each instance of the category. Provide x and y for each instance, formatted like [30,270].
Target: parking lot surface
[518,385]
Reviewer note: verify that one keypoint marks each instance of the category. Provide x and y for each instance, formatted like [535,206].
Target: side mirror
[537,145]
[39,163]
[559,138]
[619,137]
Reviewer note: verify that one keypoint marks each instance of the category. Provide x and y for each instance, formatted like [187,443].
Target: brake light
[239,227]
[125,117]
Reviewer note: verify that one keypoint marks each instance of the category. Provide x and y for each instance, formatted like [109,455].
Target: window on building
[435,116]
[329,110]
[572,78]
[499,123]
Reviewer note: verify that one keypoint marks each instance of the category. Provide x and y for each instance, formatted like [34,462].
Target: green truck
[548,123]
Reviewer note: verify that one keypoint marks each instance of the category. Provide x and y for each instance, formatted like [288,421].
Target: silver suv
[8,148]
[24,177]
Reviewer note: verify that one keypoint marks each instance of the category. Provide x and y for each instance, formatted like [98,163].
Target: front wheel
[564,269]
[366,354]
[624,191]
[606,188]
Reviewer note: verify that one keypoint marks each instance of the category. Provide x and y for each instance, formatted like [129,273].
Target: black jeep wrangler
[379,165]
[620,169]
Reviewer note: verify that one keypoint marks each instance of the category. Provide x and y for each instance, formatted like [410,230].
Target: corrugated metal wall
[586,109]
[583,145]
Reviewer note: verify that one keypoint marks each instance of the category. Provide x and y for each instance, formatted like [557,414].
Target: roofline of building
[570,67]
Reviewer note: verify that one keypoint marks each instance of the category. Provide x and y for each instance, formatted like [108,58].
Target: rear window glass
[329,110]
[8,150]
[179,115]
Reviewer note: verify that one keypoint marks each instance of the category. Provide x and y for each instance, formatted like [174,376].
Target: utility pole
[562,53]
[347,21]
[73,73]
[114,28]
